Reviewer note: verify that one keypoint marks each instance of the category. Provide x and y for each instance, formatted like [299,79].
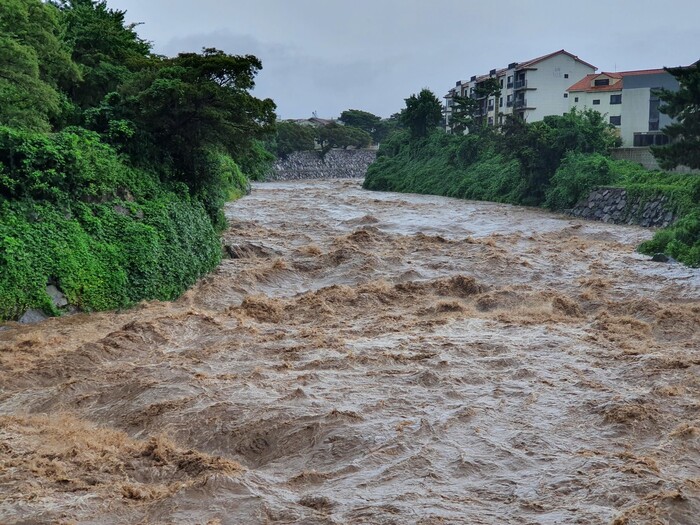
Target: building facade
[629,101]
[531,90]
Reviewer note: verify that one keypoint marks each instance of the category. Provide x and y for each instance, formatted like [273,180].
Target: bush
[74,215]
[580,173]
[681,241]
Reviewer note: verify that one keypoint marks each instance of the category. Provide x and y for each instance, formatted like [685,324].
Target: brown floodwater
[372,358]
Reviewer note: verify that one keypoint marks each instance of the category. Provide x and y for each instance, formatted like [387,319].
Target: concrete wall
[641,156]
[635,113]
[551,83]
[645,157]
[337,164]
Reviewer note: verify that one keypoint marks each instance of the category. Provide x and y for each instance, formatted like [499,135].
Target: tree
[34,64]
[463,114]
[336,136]
[293,137]
[422,114]
[107,49]
[684,106]
[361,119]
[184,104]
[490,87]
[541,146]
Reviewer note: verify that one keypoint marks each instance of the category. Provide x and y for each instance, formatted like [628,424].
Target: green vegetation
[552,163]
[336,136]
[684,106]
[423,113]
[115,163]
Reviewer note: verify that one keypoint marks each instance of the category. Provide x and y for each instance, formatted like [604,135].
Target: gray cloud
[371,54]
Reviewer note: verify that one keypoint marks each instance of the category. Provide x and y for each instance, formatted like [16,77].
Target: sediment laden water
[370,358]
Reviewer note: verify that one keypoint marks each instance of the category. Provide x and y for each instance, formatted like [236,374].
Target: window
[566,95]
[615,99]
[650,139]
[510,81]
[602,82]
[490,121]
[566,75]
[501,83]
[500,102]
[596,102]
[576,99]
[616,121]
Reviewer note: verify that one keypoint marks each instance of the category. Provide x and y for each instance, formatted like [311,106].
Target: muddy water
[371,358]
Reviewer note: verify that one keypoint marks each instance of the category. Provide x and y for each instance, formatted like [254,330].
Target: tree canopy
[293,137]
[334,135]
[684,106]
[423,113]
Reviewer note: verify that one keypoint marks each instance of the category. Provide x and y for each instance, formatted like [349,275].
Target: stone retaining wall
[614,205]
[337,164]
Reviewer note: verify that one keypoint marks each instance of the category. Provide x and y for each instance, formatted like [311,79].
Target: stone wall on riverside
[337,164]
[614,205]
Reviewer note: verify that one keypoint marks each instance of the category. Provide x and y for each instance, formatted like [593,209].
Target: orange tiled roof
[585,83]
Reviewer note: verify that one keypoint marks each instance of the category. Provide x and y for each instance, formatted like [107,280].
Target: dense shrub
[681,241]
[108,235]
[579,173]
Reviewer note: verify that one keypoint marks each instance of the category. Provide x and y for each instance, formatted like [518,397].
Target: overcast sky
[329,55]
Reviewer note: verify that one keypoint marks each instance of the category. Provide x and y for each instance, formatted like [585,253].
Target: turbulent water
[371,358]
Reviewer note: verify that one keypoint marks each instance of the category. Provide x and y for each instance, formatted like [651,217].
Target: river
[370,358]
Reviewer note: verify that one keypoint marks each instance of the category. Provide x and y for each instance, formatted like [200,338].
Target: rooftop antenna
[314,114]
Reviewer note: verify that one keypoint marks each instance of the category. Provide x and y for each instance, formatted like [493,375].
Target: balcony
[520,84]
[490,107]
[509,85]
[509,103]
[521,104]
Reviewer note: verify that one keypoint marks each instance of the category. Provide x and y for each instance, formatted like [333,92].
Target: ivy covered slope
[552,163]
[115,163]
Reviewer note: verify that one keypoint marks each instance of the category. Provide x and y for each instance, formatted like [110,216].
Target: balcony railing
[509,103]
[520,103]
[509,85]
[520,84]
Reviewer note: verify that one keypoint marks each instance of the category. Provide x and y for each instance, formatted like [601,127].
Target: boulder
[59,300]
[33,316]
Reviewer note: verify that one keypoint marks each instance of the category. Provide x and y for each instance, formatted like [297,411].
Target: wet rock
[121,210]
[249,250]
[33,316]
[59,300]
[662,257]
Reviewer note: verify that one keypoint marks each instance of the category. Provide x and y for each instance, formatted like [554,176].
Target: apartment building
[628,101]
[531,90]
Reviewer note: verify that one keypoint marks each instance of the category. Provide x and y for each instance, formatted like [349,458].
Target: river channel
[373,358]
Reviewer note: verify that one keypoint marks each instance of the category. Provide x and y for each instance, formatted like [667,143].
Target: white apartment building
[628,101]
[532,89]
